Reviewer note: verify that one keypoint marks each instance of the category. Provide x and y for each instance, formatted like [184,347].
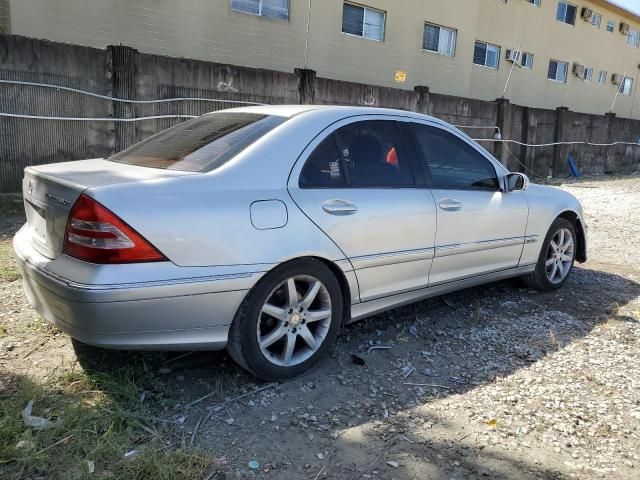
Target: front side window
[363,21]
[566,13]
[451,162]
[626,86]
[202,144]
[439,39]
[611,26]
[266,8]
[486,55]
[557,70]
[633,38]
[526,60]
[602,77]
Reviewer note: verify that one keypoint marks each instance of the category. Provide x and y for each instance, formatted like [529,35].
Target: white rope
[113,99]
[477,126]
[556,143]
[87,119]
[158,117]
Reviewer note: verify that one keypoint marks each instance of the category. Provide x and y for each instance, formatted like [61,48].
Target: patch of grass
[97,418]
[8,268]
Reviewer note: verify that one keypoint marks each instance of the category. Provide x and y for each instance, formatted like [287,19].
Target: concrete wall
[123,72]
[210,30]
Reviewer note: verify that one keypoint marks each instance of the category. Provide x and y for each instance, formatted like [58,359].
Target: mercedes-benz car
[264,230]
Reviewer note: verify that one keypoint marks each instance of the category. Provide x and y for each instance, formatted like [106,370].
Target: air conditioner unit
[616,79]
[513,55]
[586,14]
[624,28]
[578,69]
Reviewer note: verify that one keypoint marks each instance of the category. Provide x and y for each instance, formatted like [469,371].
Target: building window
[566,13]
[633,38]
[535,2]
[596,20]
[439,39]
[626,85]
[527,60]
[486,55]
[265,8]
[588,74]
[602,77]
[557,70]
[363,21]
[611,26]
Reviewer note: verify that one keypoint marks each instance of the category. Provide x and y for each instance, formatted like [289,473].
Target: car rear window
[202,144]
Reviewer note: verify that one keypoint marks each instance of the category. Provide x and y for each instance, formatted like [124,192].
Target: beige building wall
[210,30]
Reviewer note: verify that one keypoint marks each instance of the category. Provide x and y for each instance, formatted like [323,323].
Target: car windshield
[202,144]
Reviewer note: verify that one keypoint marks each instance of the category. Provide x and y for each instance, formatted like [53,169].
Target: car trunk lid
[51,190]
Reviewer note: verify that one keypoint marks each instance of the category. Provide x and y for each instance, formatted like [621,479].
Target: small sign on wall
[401,76]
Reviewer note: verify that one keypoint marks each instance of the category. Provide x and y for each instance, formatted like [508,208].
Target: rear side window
[361,154]
[323,168]
[374,154]
[452,163]
[202,144]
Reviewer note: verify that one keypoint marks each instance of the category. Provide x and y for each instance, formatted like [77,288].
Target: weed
[8,268]
[97,418]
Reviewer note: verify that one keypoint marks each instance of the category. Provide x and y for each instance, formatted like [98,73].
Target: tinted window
[373,155]
[323,168]
[452,163]
[201,144]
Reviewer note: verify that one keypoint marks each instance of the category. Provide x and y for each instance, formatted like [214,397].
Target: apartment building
[582,54]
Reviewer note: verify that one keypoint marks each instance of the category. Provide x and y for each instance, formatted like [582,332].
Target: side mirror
[516,182]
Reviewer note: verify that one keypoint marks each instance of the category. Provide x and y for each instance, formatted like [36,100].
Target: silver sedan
[266,229]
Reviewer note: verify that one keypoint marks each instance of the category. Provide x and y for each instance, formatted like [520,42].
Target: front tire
[288,321]
[556,257]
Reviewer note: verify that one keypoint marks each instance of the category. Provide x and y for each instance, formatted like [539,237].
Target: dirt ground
[493,382]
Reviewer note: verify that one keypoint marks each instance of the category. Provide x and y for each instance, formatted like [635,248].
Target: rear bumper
[184,314]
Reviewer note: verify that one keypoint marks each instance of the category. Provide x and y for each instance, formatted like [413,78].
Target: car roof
[340,111]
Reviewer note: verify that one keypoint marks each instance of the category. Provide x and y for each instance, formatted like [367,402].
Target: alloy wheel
[559,256]
[294,320]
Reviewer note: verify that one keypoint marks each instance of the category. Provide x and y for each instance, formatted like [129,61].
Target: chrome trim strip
[531,239]
[390,258]
[459,248]
[371,307]
[122,286]
[159,283]
[344,265]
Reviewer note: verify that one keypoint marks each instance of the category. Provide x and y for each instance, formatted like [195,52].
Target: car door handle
[450,205]
[339,207]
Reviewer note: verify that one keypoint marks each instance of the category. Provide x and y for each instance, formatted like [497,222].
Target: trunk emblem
[60,200]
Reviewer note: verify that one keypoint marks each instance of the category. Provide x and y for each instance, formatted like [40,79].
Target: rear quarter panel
[205,219]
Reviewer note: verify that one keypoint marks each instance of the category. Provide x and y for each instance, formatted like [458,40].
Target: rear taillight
[95,234]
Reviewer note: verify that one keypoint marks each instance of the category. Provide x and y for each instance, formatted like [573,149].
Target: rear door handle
[450,205]
[339,207]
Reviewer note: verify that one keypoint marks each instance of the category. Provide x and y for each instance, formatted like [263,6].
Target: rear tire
[288,321]
[556,258]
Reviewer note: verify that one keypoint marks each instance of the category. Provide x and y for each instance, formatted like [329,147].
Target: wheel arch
[581,240]
[346,288]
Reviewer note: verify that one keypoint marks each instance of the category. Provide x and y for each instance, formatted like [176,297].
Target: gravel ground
[493,382]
